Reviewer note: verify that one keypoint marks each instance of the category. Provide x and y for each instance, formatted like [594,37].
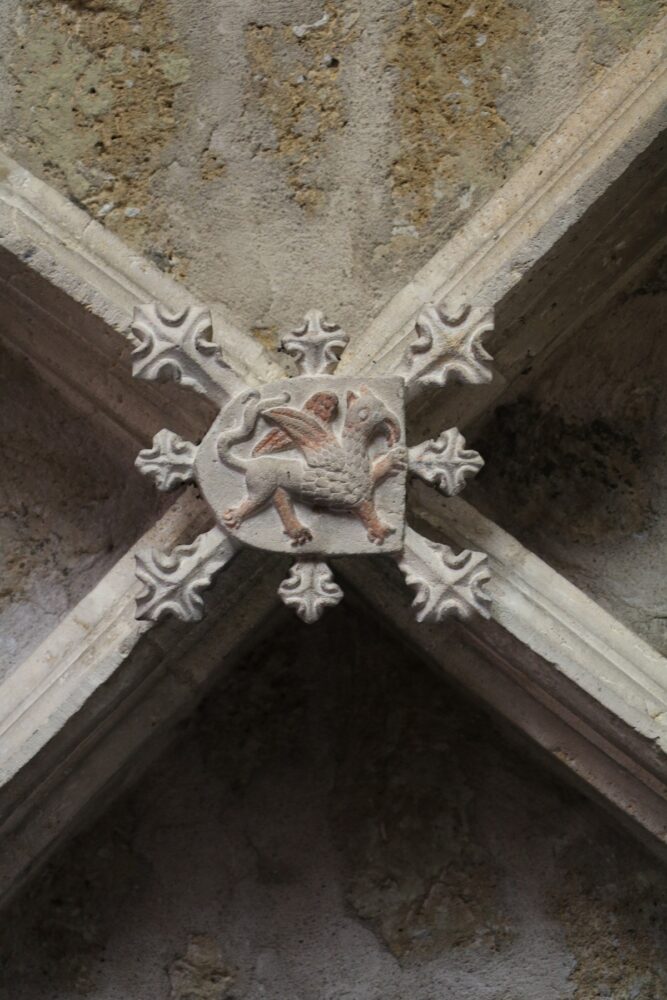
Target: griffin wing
[306,431]
[275,440]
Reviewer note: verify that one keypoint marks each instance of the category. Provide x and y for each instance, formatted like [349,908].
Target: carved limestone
[315,465]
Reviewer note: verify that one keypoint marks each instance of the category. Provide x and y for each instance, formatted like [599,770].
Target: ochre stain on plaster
[95,88]
[451,58]
[268,336]
[200,974]
[295,80]
[614,917]
[211,166]
[629,18]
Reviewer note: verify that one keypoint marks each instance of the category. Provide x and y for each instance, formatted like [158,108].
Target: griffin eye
[363,413]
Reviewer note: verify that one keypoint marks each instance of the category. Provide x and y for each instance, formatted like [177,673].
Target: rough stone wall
[577,467]
[70,504]
[285,154]
[337,822]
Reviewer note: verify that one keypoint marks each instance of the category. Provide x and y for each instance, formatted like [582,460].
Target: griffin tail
[253,409]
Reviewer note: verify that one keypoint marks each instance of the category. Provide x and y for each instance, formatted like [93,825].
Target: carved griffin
[337,474]
[315,463]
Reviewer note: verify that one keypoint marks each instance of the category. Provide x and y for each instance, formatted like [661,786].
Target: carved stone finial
[446,463]
[179,346]
[309,589]
[449,346]
[445,582]
[173,581]
[317,345]
[169,461]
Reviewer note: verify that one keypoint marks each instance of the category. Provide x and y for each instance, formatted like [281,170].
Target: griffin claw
[380,535]
[302,536]
[231,519]
[399,462]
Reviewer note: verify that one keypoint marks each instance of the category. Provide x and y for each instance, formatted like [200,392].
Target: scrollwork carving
[445,582]
[449,347]
[446,463]
[173,581]
[168,461]
[309,589]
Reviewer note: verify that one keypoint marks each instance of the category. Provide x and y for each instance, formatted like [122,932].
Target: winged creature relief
[314,464]
[335,471]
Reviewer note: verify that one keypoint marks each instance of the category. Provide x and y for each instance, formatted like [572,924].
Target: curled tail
[253,409]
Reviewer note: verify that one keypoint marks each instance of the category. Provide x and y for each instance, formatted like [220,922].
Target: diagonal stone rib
[95,703]
[602,655]
[585,689]
[566,173]
[98,272]
[101,629]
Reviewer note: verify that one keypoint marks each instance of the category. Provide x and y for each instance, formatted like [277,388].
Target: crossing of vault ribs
[315,464]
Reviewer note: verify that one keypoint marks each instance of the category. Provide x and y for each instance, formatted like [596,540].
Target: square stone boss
[310,465]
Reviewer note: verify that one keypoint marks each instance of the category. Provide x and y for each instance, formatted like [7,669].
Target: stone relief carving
[309,589]
[446,462]
[173,581]
[169,462]
[319,456]
[449,347]
[445,582]
[314,465]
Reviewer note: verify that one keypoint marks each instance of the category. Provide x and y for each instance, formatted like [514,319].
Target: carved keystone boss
[314,465]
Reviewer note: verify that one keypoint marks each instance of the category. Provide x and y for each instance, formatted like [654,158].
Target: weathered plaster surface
[337,822]
[94,86]
[69,506]
[279,155]
[577,469]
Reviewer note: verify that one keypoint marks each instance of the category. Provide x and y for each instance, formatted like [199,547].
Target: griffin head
[367,415]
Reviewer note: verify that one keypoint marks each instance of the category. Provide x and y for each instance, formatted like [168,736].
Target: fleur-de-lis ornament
[315,465]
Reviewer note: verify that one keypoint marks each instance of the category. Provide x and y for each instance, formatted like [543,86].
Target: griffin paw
[301,536]
[380,534]
[398,458]
[231,519]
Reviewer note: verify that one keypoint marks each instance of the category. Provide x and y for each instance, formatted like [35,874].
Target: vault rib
[46,733]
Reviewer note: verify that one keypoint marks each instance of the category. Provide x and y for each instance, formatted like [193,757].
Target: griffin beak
[393,431]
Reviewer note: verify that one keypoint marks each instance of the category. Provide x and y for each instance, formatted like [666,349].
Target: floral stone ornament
[315,465]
